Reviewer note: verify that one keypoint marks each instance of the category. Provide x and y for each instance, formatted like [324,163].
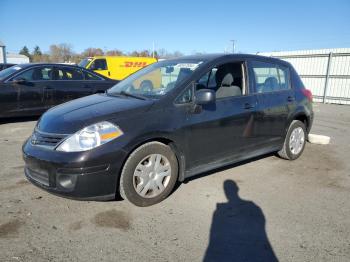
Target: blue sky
[184,25]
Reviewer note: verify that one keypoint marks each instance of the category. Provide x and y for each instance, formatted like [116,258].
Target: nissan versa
[145,134]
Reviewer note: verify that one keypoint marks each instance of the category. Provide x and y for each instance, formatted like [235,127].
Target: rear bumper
[82,175]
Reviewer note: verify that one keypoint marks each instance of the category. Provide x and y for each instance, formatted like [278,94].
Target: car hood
[72,116]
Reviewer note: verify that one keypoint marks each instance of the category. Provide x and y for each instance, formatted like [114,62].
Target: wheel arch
[164,139]
[301,116]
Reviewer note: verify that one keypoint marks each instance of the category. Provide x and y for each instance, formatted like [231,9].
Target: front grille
[46,139]
[38,175]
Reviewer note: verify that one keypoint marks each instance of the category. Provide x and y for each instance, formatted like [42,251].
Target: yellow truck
[116,67]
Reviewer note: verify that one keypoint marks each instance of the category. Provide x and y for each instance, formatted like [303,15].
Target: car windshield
[9,71]
[85,62]
[156,79]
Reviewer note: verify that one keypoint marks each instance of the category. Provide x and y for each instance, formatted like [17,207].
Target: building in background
[326,72]
[11,58]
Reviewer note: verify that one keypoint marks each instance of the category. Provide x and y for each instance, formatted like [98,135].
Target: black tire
[285,152]
[126,185]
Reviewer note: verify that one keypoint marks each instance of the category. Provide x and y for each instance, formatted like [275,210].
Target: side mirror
[204,97]
[20,81]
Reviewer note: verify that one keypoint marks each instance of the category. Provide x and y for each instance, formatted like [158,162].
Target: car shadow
[238,230]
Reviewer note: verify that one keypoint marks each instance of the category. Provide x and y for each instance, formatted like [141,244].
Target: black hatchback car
[167,122]
[31,89]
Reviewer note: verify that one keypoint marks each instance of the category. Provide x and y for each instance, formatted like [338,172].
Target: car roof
[45,64]
[212,57]
[27,65]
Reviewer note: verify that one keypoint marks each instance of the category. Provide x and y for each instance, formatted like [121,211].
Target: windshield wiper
[124,93]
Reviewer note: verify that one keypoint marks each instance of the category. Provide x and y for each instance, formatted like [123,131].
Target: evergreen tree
[37,51]
[25,51]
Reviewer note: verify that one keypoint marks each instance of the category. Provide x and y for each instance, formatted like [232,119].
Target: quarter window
[270,77]
[185,97]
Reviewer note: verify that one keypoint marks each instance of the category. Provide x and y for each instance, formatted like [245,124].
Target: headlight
[90,137]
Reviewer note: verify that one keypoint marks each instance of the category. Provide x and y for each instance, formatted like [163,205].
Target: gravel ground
[265,209]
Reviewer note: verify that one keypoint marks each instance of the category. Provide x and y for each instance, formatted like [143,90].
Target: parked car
[116,67]
[4,66]
[209,111]
[31,89]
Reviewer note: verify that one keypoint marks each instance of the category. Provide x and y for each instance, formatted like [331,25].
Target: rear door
[275,99]
[69,84]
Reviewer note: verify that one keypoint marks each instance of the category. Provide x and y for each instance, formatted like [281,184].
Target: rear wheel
[294,142]
[149,174]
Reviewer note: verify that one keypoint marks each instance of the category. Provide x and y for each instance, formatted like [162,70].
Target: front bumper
[90,175]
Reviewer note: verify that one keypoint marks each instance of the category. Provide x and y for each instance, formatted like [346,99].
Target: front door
[32,87]
[9,100]
[224,129]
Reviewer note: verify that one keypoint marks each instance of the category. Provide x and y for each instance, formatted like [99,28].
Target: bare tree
[163,53]
[66,50]
[91,51]
[115,52]
[61,52]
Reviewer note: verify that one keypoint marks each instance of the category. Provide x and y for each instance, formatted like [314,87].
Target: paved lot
[295,211]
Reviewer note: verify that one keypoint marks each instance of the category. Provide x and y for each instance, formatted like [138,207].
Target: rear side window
[99,64]
[66,73]
[89,76]
[269,77]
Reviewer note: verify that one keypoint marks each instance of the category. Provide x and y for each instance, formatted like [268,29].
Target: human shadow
[238,231]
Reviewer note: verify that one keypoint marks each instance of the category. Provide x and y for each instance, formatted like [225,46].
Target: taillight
[307,93]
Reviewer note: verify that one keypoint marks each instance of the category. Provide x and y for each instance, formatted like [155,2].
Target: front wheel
[294,142]
[149,174]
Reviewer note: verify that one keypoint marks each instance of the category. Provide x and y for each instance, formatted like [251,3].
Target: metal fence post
[327,76]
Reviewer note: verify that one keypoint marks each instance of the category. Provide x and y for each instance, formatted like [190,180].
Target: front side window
[9,71]
[157,79]
[269,77]
[226,80]
[67,73]
[99,64]
[36,74]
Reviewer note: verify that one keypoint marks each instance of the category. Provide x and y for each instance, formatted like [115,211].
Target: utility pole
[233,46]
[153,49]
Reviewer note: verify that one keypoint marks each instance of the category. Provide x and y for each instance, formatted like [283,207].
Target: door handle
[248,106]
[109,73]
[290,99]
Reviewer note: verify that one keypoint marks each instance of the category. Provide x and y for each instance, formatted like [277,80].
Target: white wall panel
[312,67]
